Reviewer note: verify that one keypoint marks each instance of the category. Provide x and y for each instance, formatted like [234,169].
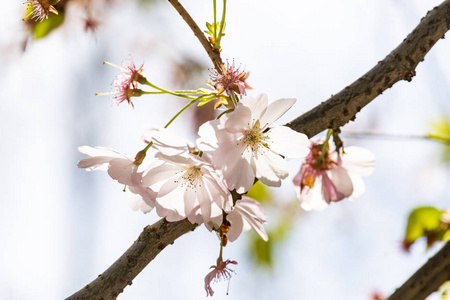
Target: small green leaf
[424,221]
[441,128]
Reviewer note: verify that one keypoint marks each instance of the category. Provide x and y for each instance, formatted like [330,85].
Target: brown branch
[427,279]
[400,64]
[213,55]
[152,240]
[335,112]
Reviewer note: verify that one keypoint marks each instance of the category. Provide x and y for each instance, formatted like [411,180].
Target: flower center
[192,177]
[254,138]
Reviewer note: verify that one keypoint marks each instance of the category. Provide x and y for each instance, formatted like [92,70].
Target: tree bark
[427,279]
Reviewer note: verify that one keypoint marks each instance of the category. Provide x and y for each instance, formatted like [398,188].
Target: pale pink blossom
[243,147]
[40,9]
[230,79]
[121,168]
[125,84]
[247,213]
[219,272]
[326,178]
[187,184]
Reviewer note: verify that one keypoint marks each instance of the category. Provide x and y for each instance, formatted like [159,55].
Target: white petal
[274,111]
[359,187]
[341,180]
[169,214]
[256,105]
[100,151]
[120,169]
[288,142]
[358,160]
[95,163]
[270,167]
[169,143]
[239,120]
[237,225]
[207,132]
[311,199]
[253,214]
[242,176]
[160,173]
[136,202]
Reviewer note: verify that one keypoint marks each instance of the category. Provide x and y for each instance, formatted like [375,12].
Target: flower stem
[179,113]
[164,91]
[222,22]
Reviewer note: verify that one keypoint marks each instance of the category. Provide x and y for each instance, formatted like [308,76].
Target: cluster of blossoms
[195,181]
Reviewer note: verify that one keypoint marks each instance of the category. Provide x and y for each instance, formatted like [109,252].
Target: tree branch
[151,241]
[335,112]
[400,64]
[213,55]
[427,279]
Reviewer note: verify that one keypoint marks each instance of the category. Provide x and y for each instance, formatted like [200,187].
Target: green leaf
[423,221]
[41,29]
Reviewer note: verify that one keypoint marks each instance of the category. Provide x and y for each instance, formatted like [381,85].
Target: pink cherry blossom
[230,80]
[40,9]
[247,213]
[219,272]
[325,178]
[187,184]
[243,147]
[125,84]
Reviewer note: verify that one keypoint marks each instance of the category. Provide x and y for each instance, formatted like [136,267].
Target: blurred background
[60,227]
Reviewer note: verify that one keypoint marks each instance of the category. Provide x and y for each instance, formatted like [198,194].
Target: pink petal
[275,110]
[288,142]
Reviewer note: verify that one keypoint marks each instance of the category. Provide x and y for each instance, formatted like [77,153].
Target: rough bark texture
[427,279]
[152,240]
[335,112]
[400,64]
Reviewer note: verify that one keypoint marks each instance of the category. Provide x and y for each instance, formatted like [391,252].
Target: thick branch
[335,112]
[152,240]
[400,64]
[213,55]
[427,279]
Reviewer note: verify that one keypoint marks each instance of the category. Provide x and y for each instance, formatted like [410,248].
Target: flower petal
[288,142]
[275,110]
[358,160]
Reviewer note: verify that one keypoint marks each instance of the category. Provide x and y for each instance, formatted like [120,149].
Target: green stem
[325,145]
[222,22]
[167,91]
[215,20]
[179,113]
[225,112]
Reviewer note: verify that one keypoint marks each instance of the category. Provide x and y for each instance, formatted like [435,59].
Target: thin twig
[372,134]
[400,64]
[213,55]
[427,279]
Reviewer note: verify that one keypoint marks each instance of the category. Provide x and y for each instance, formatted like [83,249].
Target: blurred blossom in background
[60,227]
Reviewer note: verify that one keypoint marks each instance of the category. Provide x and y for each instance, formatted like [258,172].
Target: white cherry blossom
[187,184]
[243,147]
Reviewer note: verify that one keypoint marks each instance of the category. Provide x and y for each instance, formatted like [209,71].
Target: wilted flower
[40,9]
[219,272]
[325,178]
[243,147]
[230,80]
[247,213]
[125,84]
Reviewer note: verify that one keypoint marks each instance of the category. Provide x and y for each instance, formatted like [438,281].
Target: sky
[60,226]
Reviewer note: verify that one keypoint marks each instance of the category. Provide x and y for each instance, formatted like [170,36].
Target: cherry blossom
[40,9]
[243,147]
[219,272]
[325,178]
[247,213]
[230,80]
[187,184]
[125,84]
